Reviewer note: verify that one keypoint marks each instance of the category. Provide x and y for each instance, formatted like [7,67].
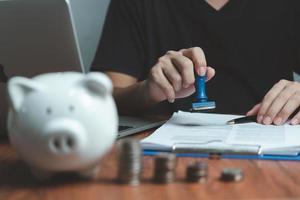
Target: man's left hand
[279,104]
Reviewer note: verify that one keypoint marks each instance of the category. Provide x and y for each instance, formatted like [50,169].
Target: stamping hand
[173,76]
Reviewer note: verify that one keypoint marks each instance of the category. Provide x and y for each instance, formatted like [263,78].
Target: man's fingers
[197,55]
[267,101]
[186,92]
[254,110]
[278,104]
[288,109]
[296,119]
[210,73]
[185,67]
[174,78]
[171,73]
[162,82]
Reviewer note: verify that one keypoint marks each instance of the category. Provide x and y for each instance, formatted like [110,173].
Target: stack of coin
[165,168]
[232,174]
[130,161]
[197,172]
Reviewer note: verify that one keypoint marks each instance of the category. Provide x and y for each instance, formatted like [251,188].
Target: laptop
[39,36]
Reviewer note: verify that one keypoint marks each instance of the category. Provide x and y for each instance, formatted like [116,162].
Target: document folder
[232,156]
[202,135]
[211,148]
[229,152]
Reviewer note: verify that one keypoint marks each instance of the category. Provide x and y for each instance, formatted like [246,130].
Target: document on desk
[199,131]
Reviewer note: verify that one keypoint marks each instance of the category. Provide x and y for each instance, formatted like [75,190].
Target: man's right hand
[173,75]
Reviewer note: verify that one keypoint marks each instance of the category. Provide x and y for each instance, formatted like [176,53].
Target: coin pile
[232,174]
[165,168]
[130,161]
[197,172]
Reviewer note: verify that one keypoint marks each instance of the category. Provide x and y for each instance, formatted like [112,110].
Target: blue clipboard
[226,151]
[230,156]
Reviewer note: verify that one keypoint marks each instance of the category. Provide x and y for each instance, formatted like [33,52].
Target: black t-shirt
[252,44]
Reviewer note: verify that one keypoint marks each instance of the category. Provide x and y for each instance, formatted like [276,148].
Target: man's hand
[279,104]
[173,75]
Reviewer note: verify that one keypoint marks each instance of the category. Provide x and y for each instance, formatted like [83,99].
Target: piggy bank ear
[97,83]
[18,89]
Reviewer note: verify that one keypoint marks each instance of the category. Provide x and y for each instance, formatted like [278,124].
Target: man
[253,46]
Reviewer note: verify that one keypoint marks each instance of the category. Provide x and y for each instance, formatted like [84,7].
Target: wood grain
[263,180]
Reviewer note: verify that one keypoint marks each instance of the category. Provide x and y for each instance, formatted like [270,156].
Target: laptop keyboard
[124,128]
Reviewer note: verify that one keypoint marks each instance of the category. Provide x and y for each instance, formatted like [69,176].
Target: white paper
[192,129]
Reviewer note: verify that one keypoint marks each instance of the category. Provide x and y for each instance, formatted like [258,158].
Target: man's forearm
[133,99]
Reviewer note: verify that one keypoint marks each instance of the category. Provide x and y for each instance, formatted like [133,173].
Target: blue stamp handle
[201,89]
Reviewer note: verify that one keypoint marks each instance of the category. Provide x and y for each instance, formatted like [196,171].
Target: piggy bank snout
[63,143]
[65,136]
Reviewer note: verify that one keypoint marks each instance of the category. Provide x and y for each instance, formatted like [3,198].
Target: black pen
[242,120]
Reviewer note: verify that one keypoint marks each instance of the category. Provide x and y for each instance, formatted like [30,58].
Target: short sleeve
[121,47]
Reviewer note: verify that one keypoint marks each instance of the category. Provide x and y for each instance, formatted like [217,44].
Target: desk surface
[263,180]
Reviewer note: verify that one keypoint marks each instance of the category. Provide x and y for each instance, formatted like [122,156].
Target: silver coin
[197,172]
[130,161]
[232,174]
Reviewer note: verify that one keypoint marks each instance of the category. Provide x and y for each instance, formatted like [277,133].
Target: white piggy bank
[62,121]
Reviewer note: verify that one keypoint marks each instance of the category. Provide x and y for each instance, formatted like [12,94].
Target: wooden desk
[263,180]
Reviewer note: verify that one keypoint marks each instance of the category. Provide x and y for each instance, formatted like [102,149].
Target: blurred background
[89,41]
